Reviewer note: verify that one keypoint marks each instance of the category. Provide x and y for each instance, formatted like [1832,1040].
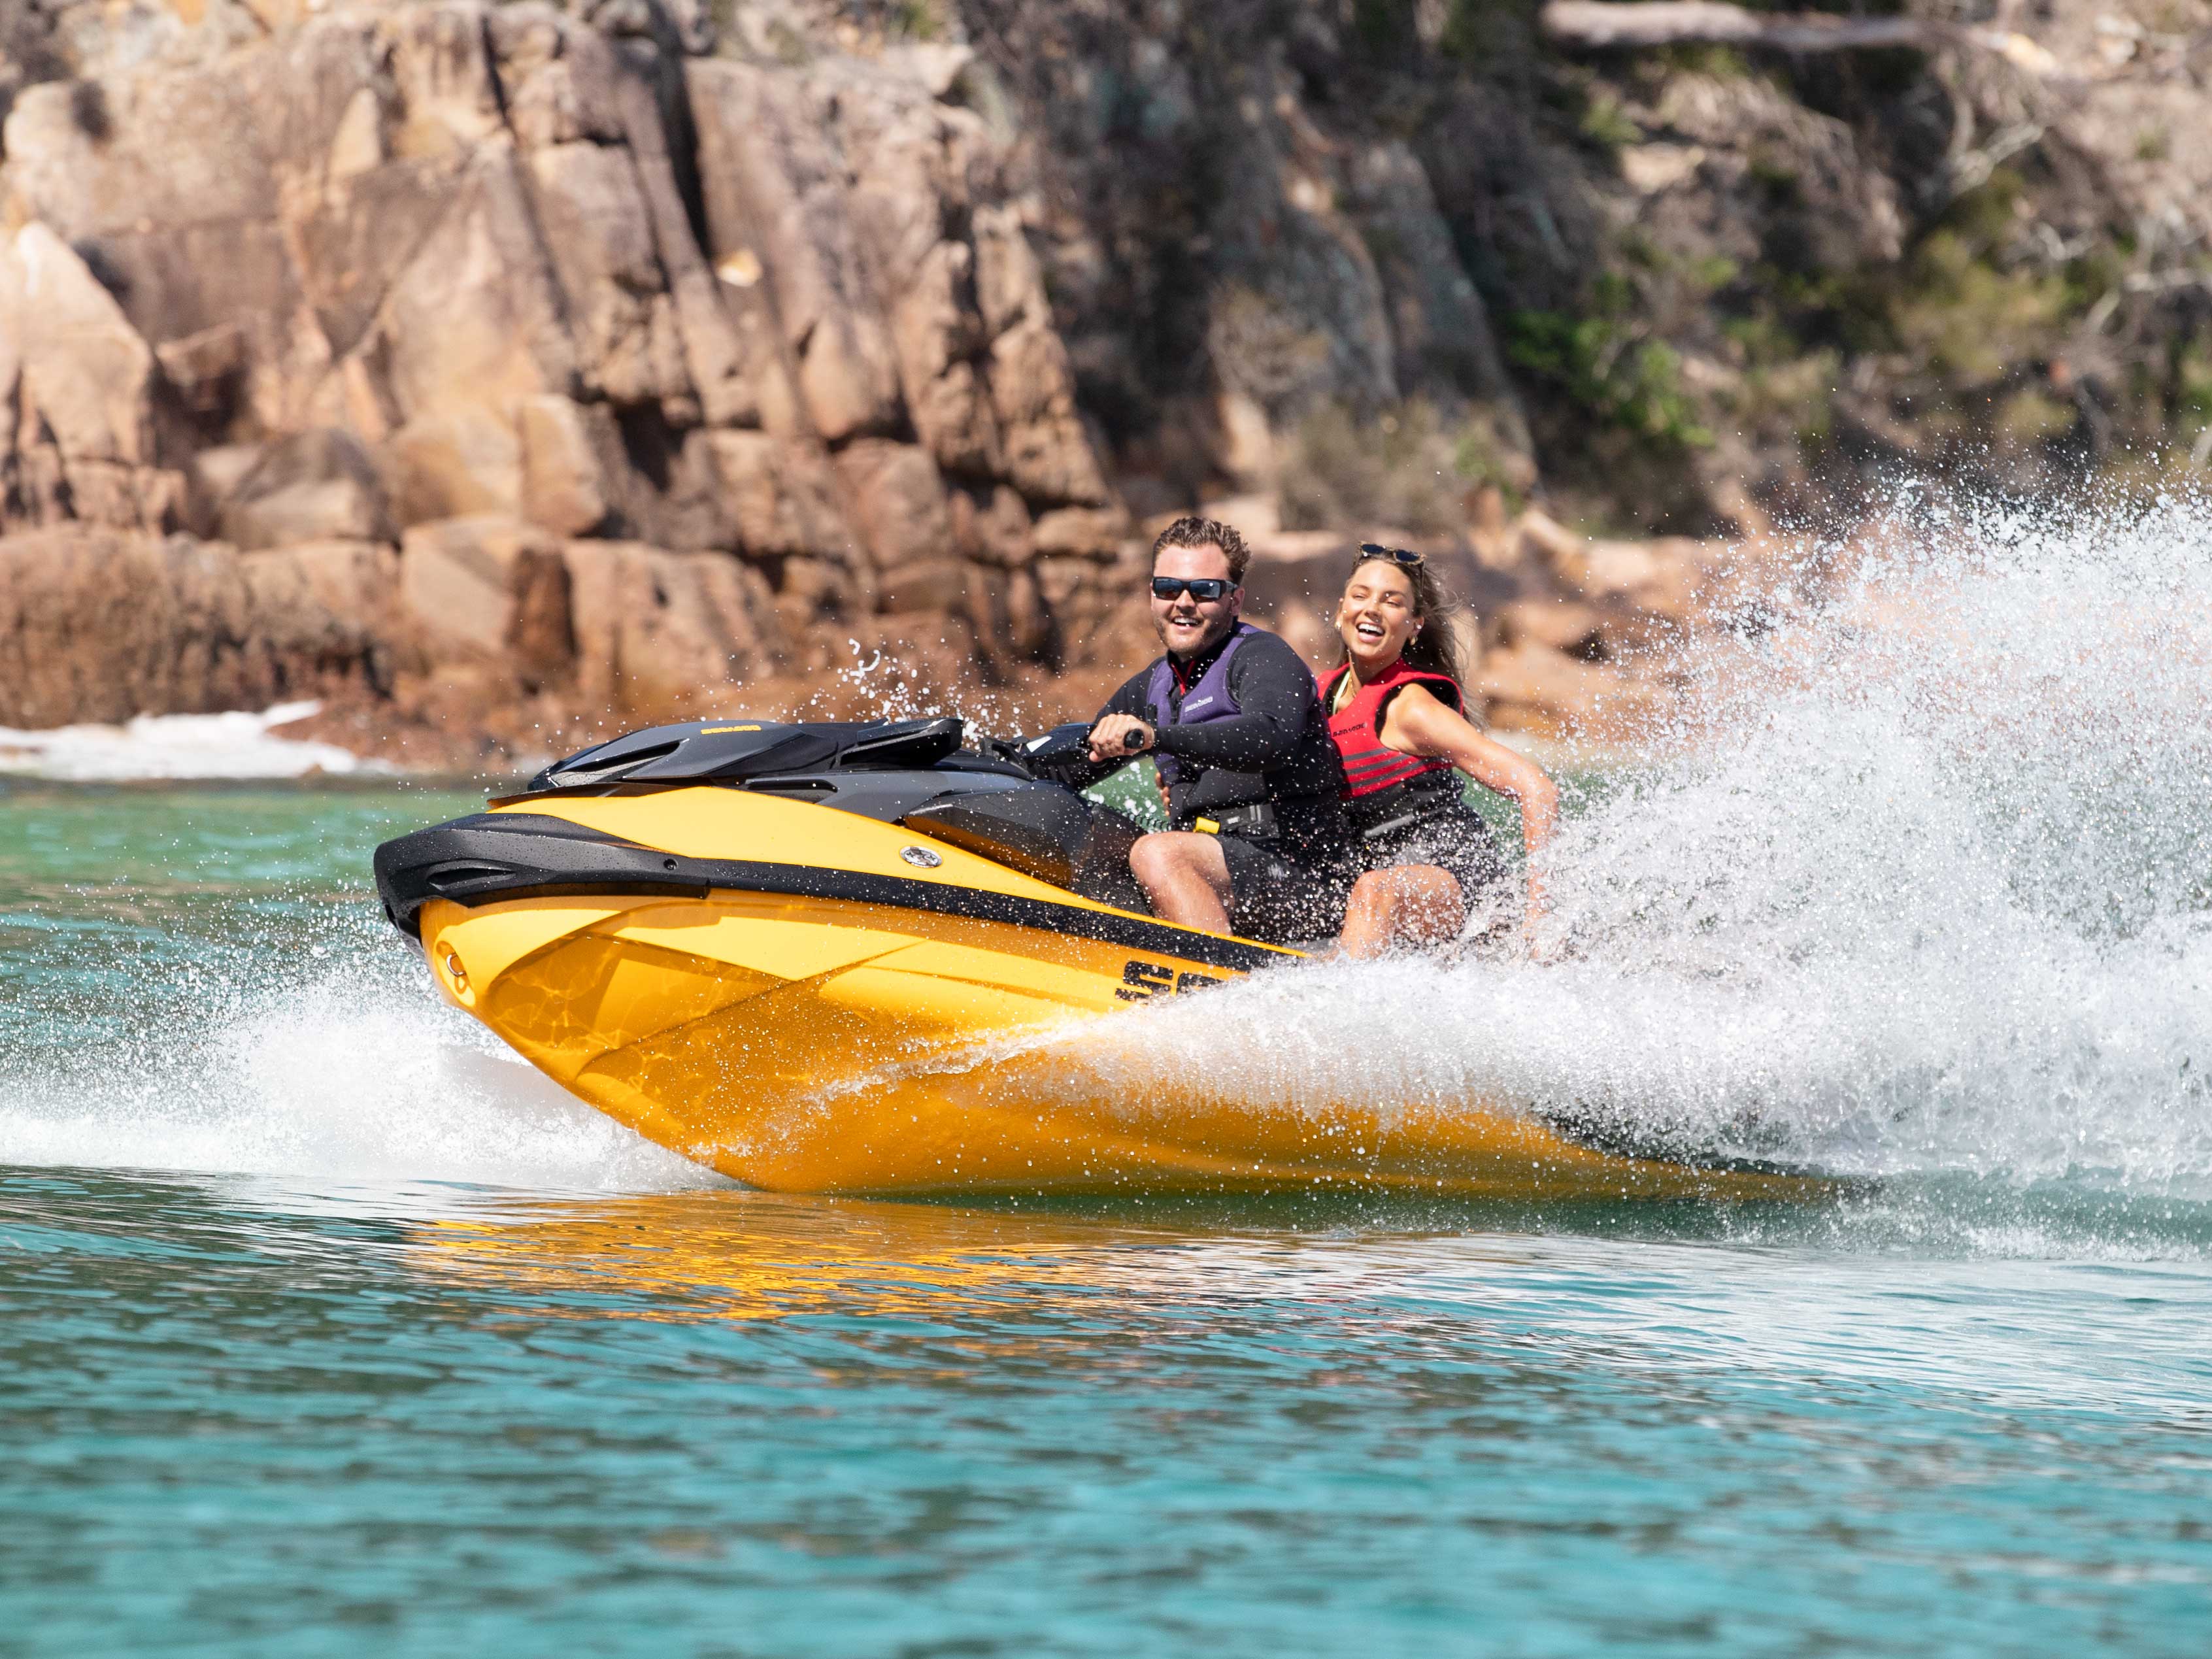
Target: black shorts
[1293,886]
[1458,841]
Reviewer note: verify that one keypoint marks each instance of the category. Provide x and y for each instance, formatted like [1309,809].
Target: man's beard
[1213,636]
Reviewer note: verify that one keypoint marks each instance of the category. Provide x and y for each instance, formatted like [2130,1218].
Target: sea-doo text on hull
[816,957]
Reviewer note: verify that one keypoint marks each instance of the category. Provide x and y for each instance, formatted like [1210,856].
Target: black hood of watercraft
[736,749]
[911,773]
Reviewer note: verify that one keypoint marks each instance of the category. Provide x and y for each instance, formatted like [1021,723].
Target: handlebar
[1061,746]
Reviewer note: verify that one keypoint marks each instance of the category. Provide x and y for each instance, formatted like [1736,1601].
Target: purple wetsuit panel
[1209,700]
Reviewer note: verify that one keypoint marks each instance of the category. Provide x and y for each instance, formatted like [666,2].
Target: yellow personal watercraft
[859,957]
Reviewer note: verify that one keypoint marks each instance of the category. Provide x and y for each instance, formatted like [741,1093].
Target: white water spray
[1924,886]
[356,1075]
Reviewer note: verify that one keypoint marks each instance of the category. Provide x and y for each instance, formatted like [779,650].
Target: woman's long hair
[1435,649]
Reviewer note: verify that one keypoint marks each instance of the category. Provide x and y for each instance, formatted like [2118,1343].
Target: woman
[1398,715]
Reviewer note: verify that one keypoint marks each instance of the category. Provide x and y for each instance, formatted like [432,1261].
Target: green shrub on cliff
[1964,317]
[1609,369]
[1409,468]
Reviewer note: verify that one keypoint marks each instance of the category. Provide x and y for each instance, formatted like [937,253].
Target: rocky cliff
[489,347]
[499,368]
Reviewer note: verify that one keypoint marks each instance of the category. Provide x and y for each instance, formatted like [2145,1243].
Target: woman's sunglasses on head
[1404,556]
[1206,589]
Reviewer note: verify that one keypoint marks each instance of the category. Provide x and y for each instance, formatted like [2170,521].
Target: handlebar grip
[1133,740]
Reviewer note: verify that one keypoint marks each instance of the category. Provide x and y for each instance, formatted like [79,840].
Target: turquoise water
[330,1330]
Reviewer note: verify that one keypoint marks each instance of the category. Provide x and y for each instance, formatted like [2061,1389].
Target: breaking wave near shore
[1921,884]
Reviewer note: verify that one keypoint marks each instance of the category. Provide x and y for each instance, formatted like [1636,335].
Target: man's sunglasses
[1404,556]
[1206,589]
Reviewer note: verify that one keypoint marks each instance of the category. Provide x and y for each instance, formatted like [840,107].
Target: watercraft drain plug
[459,975]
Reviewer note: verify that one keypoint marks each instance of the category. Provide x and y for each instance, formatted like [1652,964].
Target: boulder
[210,478]
[1562,625]
[1096,617]
[314,486]
[77,379]
[666,490]
[898,505]
[476,323]
[810,590]
[1088,532]
[939,336]
[1663,576]
[782,495]
[204,368]
[540,638]
[327,614]
[100,624]
[775,188]
[1009,282]
[590,207]
[660,634]
[939,585]
[1011,621]
[1530,687]
[991,527]
[164,180]
[490,588]
[727,334]
[454,463]
[562,486]
[1048,453]
[562,83]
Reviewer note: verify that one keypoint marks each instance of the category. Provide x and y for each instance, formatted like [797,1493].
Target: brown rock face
[898,505]
[318,485]
[429,269]
[775,191]
[100,624]
[562,488]
[80,383]
[783,496]
[662,634]
[463,580]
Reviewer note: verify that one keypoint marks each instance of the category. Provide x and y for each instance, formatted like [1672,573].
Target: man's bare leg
[1417,904]
[1186,877]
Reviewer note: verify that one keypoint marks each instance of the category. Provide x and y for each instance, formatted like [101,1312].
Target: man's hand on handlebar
[1117,737]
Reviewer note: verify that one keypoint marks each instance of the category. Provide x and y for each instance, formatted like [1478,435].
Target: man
[1232,719]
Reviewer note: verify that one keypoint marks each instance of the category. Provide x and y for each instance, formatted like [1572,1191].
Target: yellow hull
[821,1043]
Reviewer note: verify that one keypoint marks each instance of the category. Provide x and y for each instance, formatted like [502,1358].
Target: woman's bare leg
[1416,904]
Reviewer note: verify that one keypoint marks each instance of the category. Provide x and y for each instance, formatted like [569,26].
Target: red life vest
[1369,764]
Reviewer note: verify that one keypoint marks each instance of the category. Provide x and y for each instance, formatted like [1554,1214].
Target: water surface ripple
[330,1328]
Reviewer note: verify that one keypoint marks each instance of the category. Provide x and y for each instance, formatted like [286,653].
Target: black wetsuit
[1288,880]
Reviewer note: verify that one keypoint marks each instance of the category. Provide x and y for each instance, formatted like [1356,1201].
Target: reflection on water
[409,1419]
[757,1255]
[1799,1293]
